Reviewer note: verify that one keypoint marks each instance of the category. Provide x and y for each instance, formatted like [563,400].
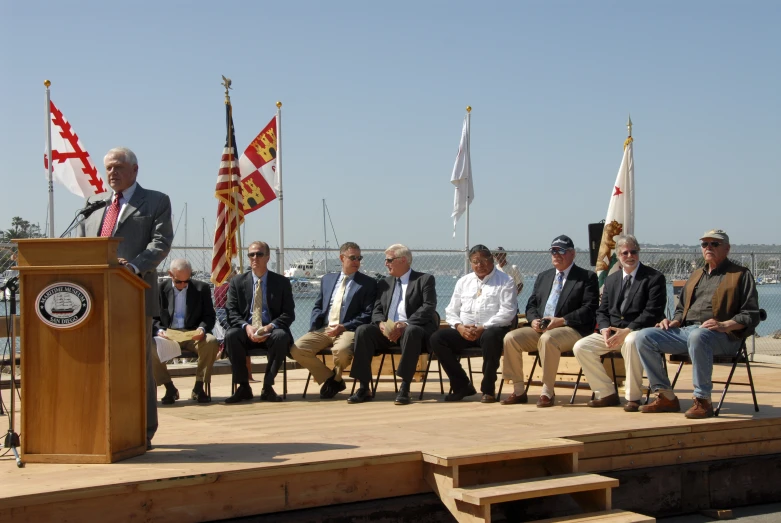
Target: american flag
[230,214]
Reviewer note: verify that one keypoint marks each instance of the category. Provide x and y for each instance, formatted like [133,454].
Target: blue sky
[374,96]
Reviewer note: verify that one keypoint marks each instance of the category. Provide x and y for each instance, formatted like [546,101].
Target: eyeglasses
[179,282]
[258,253]
[627,253]
[356,258]
[557,250]
[390,260]
[712,244]
[480,261]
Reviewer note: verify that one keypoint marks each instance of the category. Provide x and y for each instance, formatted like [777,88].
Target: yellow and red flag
[258,166]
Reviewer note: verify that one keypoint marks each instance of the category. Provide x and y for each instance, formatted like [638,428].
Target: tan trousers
[550,344]
[207,350]
[307,347]
[589,349]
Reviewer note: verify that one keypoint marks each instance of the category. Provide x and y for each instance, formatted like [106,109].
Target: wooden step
[463,455]
[606,516]
[533,488]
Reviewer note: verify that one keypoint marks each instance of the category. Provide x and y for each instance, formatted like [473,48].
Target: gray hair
[624,239]
[401,251]
[127,155]
[179,264]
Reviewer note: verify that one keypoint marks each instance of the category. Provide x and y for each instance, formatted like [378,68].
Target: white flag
[462,177]
[620,214]
[72,165]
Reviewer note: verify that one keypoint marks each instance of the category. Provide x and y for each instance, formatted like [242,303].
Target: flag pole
[234,194]
[47,83]
[469,155]
[281,259]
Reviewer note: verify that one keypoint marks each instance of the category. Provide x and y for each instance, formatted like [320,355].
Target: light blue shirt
[180,307]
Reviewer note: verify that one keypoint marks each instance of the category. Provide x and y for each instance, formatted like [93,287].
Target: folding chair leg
[615,378]
[677,373]
[306,385]
[751,383]
[577,383]
[531,374]
[377,381]
[284,378]
[355,382]
[469,364]
[499,394]
[441,382]
[425,377]
[393,368]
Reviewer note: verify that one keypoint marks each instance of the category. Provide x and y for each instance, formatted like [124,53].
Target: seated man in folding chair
[717,310]
[481,310]
[345,303]
[633,298]
[260,312]
[561,310]
[186,306]
[409,300]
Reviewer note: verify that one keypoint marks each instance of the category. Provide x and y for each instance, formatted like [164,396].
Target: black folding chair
[566,354]
[323,353]
[264,352]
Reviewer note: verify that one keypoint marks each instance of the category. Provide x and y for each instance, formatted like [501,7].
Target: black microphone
[92,207]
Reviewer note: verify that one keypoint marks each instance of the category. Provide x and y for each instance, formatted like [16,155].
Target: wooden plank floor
[197,440]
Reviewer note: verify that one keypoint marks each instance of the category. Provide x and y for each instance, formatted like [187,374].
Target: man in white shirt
[500,262]
[480,312]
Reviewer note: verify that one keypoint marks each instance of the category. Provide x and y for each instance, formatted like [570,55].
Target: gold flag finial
[279,104]
[226,82]
[469,108]
[47,83]
[629,125]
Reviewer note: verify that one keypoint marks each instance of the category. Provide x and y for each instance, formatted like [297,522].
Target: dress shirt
[511,271]
[350,279]
[633,274]
[490,302]
[402,308]
[180,307]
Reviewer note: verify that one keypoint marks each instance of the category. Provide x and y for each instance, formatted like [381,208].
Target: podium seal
[63,305]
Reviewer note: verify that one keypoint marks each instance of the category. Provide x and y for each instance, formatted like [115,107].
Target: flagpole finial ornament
[47,83]
[629,125]
[469,108]
[226,82]
[279,104]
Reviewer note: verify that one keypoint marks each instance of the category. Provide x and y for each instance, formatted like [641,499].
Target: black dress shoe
[402,398]
[331,388]
[458,395]
[361,395]
[198,394]
[269,394]
[171,394]
[149,444]
[244,392]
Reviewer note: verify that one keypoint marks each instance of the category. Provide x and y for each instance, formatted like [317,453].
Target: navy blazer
[578,301]
[357,304]
[645,303]
[198,300]
[420,301]
[279,299]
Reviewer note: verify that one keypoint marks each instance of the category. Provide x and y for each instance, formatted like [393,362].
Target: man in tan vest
[718,309]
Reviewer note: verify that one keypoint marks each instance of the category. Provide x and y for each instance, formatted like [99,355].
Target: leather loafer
[361,395]
[632,406]
[545,401]
[244,392]
[459,395]
[269,394]
[608,401]
[516,399]
[331,388]
[488,398]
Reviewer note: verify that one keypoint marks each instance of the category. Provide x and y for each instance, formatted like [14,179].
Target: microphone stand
[12,438]
[83,214]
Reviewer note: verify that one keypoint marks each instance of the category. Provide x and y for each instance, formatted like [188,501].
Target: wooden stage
[218,461]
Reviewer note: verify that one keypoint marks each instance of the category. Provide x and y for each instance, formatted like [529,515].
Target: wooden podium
[83,341]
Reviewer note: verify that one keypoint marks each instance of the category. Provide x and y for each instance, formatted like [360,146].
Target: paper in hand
[167,349]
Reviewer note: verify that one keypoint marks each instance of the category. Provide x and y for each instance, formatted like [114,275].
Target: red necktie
[110,220]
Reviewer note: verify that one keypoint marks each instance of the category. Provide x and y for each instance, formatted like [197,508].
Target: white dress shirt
[490,302]
[180,307]
[402,307]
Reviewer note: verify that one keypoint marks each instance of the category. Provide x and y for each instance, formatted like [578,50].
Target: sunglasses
[258,253]
[556,250]
[627,253]
[355,258]
[712,244]
[480,261]
[179,282]
[390,260]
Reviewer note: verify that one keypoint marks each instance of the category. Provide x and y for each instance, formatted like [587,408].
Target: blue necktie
[393,312]
[553,299]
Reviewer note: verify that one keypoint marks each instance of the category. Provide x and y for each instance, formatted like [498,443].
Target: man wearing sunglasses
[345,303]
[561,310]
[633,298]
[717,310]
[409,299]
[186,305]
[260,312]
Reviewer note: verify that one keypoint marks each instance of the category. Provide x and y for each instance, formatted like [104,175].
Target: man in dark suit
[561,310]
[345,303]
[408,300]
[142,218]
[260,312]
[186,306]
[633,298]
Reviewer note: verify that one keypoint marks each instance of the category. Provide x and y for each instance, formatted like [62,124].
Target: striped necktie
[110,220]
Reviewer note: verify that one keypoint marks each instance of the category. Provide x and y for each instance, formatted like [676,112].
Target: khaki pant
[307,347]
[550,344]
[207,350]
[589,349]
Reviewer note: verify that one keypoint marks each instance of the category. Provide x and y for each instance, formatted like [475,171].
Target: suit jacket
[578,301]
[198,301]
[147,233]
[357,303]
[278,298]
[420,301]
[644,306]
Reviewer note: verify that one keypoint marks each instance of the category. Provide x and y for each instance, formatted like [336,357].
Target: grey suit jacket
[147,233]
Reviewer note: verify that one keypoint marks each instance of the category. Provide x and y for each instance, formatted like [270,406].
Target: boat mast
[325,243]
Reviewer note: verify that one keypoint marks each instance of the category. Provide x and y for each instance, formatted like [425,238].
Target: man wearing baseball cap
[717,310]
[561,310]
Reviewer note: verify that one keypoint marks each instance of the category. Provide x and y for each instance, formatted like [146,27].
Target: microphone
[92,207]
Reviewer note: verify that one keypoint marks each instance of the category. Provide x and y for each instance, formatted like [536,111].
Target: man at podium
[142,218]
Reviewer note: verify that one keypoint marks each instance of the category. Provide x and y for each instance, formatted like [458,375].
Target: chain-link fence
[305,265]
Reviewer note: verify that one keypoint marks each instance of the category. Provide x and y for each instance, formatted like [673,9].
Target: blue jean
[701,345]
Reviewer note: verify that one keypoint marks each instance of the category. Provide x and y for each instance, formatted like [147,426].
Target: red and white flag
[258,165]
[72,165]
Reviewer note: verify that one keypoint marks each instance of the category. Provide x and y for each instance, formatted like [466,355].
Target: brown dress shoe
[488,398]
[701,409]
[662,404]
[632,406]
[515,399]
[545,401]
[608,401]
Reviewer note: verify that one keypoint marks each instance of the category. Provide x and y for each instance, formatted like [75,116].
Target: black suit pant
[369,340]
[237,343]
[448,343]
